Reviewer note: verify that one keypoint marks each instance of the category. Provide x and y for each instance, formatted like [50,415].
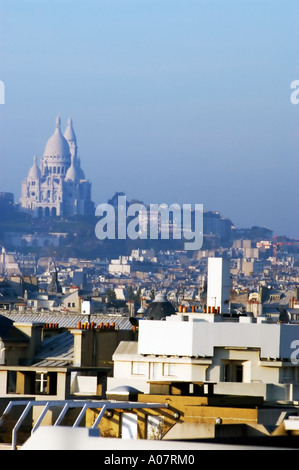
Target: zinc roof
[69,320]
[56,351]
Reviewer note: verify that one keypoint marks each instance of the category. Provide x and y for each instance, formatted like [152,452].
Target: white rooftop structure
[219,285]
[243,356]
[197,335]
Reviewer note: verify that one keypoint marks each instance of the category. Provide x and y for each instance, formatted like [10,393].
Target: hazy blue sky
[174,101]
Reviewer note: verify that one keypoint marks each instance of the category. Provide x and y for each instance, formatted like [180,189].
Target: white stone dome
[34,172]
[57,145]
[73,172]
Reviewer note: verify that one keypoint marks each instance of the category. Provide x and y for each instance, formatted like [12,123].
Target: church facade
[58,187]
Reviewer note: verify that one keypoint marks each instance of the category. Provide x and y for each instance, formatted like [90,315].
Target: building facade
[58,187]
[239,356]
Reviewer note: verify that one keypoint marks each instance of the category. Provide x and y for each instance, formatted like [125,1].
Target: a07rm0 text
[172,459]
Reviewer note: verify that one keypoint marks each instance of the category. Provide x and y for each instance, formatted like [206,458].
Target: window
[45,383]
[168,369]
[41,382]
[233,372]
[239,373]
[288,375]
[11,381]
[138,368]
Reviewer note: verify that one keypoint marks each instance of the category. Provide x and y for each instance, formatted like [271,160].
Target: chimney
[83,347]
[34,332]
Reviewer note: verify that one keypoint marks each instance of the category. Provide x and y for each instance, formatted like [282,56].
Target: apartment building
[239,355]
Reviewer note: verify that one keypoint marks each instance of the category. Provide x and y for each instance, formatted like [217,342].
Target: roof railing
[66,404]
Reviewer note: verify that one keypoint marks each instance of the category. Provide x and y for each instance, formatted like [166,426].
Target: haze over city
[172,101]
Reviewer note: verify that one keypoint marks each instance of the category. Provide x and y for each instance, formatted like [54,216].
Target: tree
[110,294]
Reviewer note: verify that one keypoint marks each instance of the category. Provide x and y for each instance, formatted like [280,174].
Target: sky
[172,101]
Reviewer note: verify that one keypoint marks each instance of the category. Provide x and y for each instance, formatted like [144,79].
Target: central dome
[57,145]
